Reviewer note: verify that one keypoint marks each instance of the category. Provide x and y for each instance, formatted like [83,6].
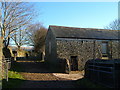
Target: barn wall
[50,57]
[84,50]
[115,50]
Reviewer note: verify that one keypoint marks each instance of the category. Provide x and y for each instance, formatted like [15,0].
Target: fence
[6,64]
[105,72]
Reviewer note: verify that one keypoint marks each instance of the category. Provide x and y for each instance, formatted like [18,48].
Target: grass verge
[15,78]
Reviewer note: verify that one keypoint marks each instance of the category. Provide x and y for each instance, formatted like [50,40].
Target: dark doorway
[74,63]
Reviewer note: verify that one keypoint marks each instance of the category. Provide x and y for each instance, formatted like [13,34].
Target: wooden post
[43,55]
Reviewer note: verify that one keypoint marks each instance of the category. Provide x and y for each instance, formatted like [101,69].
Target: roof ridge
[82,28]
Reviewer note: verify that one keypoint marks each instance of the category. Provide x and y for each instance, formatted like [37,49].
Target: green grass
[15,78]
[14,75]
[89,84]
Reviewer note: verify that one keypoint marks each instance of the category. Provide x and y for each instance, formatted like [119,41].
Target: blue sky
[77,14]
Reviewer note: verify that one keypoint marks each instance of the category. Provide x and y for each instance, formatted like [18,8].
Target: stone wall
[115,50]
[50,50]
[84,50]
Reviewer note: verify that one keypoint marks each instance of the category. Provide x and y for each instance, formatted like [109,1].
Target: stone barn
[68,48]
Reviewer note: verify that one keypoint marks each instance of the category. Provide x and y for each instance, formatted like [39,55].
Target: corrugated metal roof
[86,33]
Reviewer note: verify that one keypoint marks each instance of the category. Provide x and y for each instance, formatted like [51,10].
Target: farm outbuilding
[69,48]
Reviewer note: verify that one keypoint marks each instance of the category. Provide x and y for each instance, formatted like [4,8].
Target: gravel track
[37,75]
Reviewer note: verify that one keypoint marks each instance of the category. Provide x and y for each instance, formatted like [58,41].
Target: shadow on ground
[37,75]
[12,83]
[17,83]
[30,66]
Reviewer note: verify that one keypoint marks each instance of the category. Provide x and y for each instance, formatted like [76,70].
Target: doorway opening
[104,50]
[74,63]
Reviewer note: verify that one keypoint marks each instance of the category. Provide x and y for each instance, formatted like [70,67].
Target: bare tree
[32,28]
[14,16]
[20,37]
[115,25]
[37,36]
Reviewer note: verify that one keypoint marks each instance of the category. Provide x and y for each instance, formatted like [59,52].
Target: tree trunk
[8,41]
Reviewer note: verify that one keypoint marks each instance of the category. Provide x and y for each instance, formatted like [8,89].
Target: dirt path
[38,76]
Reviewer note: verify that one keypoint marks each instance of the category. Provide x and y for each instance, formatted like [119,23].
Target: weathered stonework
[83,49]
[115,50]
[50,51]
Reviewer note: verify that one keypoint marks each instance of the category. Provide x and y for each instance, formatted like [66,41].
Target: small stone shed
[68,48]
